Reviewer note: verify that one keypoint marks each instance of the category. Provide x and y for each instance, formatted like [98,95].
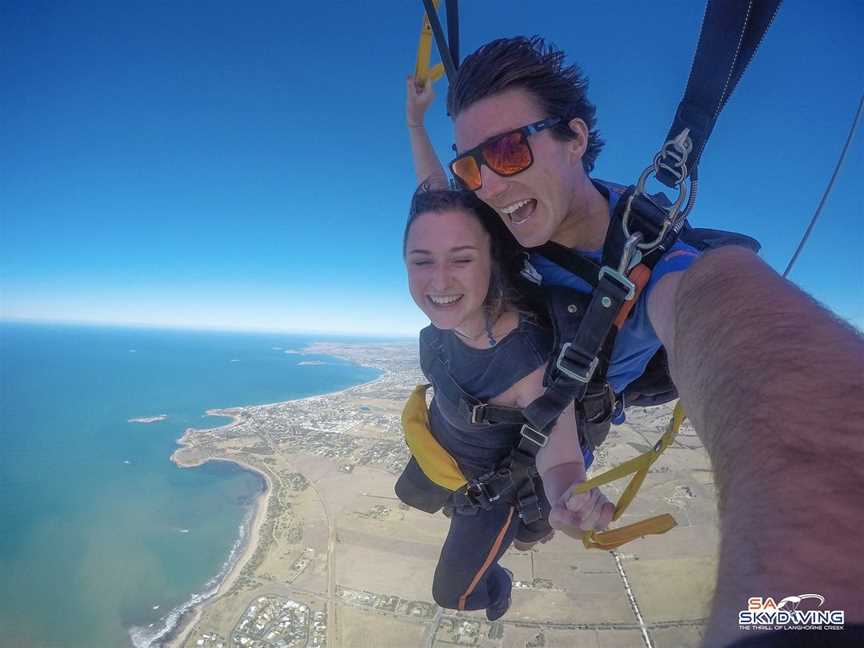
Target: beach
[189,454]
[177,636]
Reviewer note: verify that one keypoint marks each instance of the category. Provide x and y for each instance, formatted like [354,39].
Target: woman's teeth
[444,300]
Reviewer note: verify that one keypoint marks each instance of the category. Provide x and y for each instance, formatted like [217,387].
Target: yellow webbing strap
[638,465]
[435,462]
[424,53]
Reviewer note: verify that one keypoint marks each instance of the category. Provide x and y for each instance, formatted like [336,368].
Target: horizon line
[200,328]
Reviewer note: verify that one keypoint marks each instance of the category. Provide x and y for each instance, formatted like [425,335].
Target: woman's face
[449,265]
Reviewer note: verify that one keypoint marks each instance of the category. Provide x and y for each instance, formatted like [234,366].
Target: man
[513,83]
[517,108]
[517,91]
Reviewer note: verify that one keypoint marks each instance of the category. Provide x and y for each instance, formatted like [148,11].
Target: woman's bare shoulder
[523,392]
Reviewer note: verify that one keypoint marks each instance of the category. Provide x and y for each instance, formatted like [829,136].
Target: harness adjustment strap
[536,437]
[576,366]
[578,359]
[488,414]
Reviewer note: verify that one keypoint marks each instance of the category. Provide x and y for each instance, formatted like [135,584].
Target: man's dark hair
[531,64]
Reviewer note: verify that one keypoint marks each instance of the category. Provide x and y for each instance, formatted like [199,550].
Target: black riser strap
[453,30]
[731,33]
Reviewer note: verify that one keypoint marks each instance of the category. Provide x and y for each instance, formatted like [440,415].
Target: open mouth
[521,211]
[444,301]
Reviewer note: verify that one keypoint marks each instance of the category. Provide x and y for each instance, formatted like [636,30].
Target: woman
[455,250]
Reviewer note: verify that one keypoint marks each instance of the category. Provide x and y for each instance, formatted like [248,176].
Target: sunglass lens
[467,171]
[508,155]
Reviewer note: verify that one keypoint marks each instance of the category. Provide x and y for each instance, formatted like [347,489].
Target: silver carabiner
[677,149]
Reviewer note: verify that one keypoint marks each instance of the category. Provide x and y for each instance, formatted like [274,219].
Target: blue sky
[246,166]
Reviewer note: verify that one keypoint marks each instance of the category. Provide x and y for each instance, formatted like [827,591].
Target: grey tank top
[483,373]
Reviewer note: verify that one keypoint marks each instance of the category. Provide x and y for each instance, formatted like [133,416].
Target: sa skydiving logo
[801,612]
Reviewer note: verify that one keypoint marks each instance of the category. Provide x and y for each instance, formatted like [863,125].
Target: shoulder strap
[469,408]
[571,261]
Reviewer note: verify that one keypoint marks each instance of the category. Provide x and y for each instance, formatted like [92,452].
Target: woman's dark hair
[505,251]
[530,64]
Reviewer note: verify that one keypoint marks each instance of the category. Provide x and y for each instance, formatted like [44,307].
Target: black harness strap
[453,30]
[514,478]
[581,266]
[469,408]
[578,360]
[731,33]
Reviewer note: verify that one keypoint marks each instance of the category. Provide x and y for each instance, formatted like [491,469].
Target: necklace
[487,330]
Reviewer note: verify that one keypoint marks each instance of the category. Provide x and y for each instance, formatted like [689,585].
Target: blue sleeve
[678,259]
[637,341]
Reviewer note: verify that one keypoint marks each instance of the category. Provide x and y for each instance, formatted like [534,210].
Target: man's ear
[578,144]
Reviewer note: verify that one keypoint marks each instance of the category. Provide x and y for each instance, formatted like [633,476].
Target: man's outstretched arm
[774,385]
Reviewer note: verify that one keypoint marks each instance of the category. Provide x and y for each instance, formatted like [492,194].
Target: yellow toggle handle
[640,466]
[422,71]
[614,538]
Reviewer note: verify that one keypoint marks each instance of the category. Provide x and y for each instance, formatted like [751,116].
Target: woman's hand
[419,97]
[574,514]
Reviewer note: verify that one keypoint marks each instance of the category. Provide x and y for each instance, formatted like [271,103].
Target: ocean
[100,534]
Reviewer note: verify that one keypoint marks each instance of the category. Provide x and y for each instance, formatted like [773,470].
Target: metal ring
[672,213]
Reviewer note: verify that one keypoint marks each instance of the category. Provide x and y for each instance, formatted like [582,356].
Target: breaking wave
[157,633]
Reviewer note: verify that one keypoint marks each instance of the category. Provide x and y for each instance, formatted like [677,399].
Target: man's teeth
[512,208]
[443,300]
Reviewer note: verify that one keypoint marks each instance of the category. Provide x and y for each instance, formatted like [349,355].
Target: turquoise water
[98,527]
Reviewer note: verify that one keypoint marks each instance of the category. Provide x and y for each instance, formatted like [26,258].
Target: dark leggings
[468,576]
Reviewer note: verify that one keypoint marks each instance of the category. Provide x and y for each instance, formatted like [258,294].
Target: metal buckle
[534,436]
[569,372]
[621,279]
[477,414]
[478,494]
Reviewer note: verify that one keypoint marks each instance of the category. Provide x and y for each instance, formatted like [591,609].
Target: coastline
[188,620]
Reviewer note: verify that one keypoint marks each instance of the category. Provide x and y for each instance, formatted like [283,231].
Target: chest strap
[470,409]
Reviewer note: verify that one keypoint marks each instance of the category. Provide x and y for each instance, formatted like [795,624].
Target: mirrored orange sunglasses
[506,154]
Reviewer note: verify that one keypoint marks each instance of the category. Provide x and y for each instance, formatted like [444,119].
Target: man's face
[535,202]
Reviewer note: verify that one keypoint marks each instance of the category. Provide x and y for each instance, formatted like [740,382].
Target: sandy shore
[190,619]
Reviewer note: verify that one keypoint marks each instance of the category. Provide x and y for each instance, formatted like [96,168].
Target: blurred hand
[419,97]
